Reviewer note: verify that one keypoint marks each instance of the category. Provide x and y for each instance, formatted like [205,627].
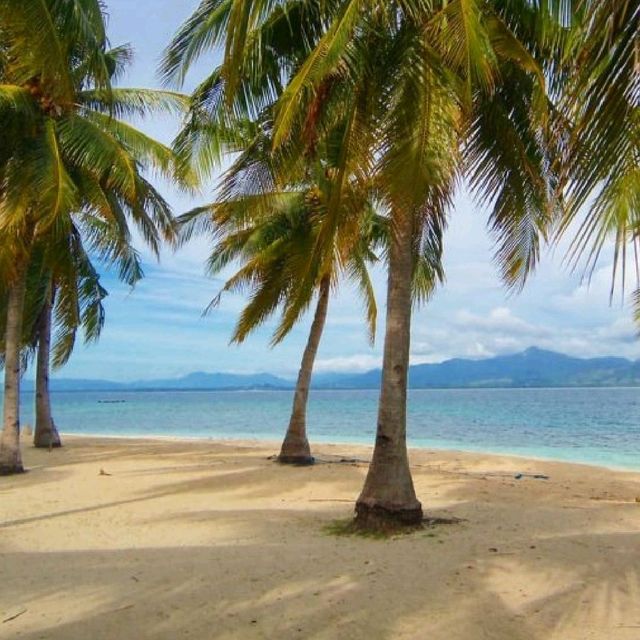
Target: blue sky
[157,330]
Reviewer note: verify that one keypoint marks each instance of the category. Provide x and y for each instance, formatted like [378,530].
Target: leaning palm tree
[437,91]
[273,233]
[65,157]
[297,228]
[272,249]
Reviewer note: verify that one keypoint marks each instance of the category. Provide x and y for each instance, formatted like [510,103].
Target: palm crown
[64,149]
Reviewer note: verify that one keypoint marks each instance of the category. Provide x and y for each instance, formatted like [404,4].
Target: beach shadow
[42,475]
[258,563]
[568,579]
[336,588]
[247,478]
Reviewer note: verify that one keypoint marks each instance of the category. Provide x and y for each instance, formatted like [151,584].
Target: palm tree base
[377,518]
[295,450]
[47,440]
[298,461]
[56,444]
[9,470]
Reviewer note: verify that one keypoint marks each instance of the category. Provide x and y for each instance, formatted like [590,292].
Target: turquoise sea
[598,426]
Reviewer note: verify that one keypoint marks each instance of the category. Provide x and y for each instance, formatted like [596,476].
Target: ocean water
[597,426]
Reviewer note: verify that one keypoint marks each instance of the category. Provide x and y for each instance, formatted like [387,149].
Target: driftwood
[13,614]
[535,476]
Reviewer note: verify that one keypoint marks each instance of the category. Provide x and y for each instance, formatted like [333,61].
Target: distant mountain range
[531,368]
[193,381]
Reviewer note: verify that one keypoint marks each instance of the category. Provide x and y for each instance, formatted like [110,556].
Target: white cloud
[353,363]
[500,332]
[500,320]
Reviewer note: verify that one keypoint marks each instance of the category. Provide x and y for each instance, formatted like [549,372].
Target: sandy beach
[114,538]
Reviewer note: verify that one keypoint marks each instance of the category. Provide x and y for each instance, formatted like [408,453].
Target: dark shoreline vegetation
[350,128]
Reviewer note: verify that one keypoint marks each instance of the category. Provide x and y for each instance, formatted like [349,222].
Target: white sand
[211,540]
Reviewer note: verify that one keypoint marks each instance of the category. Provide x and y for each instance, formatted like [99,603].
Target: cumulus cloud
[500,320]
[501,332]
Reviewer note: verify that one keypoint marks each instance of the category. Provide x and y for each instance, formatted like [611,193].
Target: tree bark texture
[295,447]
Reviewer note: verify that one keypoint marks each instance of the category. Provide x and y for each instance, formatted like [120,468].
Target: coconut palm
[297,227]
[67,159]
[273,250]
[431,91]
[72,300]
[467,99]
[602,107]
[67,297]
[274,232]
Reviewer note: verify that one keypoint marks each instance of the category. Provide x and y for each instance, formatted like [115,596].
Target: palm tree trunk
[46,435]
[10,458]
[388,499]
[295,447]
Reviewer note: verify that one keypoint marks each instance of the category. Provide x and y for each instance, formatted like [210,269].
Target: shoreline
[320,443]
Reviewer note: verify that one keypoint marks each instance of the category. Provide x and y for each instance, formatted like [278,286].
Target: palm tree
[273,232]
[68,297]
[432,91]
[273,250]
[66,159]
[72,301]
[46,433]
[285,222]
[601,105]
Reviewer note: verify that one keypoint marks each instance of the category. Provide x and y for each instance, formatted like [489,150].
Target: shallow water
[598,426]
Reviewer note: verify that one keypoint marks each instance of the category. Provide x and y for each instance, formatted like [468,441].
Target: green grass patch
[350,528]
